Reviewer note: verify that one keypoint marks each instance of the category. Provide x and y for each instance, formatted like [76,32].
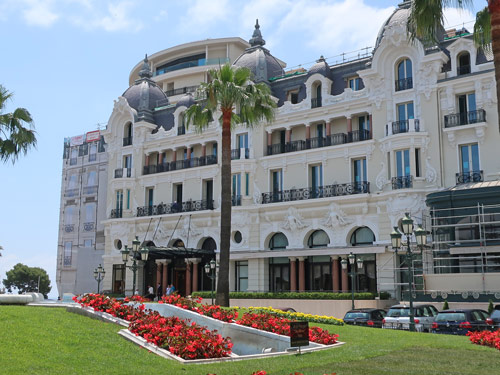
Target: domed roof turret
[320,67]
[258,59]
[187,100]
[145,94]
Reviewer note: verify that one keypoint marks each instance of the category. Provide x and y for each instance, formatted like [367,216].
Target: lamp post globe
[99,274]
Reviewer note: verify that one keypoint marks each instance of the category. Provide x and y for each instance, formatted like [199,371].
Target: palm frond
[482,29]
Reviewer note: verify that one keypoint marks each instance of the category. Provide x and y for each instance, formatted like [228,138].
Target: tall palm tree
[231,92]
[15,138]
[427,16]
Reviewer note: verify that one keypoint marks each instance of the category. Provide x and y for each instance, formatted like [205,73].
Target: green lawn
[39,340]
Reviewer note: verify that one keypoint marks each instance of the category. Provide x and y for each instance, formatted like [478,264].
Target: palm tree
[15,138]
[426,18]
[231,92]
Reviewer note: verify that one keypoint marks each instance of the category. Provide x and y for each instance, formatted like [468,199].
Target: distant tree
[445,305]
[15,137]
[1,248]
[490,307]
[25,279]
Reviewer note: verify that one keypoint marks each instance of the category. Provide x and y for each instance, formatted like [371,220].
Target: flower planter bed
[486,338]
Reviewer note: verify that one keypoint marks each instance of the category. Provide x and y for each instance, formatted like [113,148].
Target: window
[316,99]
[277,185]
[417,163]
[89,212]
[87,243]
[463,66]
[359,171]
[362,236]
[247,184]
[127,161]
[278,242]
[93,152]
[67,253]
[467,109]
[119,201]
[403,163]
[68,215]
[128,200]
[316,182]
[354,83]
[241,276]
[127,135]
[279,274]
[214,149]
[405,111]
[320,273]
[92,178]
[293,96]
[242,140]
[469,158]
[364,123]
[149,196]
[318,238]
[118,278]
[404,75]
[177,198]
[74,156]
[73,180]
[236,190]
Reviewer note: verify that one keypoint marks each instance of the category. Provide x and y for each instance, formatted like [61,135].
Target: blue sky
[67,60]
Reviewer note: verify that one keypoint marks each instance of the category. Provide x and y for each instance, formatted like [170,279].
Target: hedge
[297,295]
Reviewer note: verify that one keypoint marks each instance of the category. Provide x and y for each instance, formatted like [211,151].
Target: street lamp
[353,273]
[134,252]
[421,237]
[99,274]
[210,271]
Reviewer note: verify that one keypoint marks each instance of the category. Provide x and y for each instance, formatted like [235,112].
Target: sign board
[93,136]
[299,334]
[76,141]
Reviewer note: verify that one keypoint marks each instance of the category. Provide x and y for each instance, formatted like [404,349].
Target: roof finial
[321,59]
[145,71]
[257,36]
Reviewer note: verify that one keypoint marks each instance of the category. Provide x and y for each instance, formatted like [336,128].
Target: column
[288,135]
[158,273]
[269,138]
[196,261]
[370,121]
[204,149]
[335,273]
[146,162]
[308,131]
[293,275]
[188,277]
[189,152]
[349,124]
[174,156]
[302,274]
[328,128]
[164,282]
[345,280]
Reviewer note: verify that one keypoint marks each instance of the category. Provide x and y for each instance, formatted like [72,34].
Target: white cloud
[117,18]
[202,14]
[40,13]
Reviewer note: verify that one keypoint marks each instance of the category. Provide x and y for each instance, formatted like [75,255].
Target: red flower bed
[213,311]
[485,338]
[271,323]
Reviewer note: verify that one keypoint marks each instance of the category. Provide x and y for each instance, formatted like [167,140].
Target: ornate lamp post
[421,237]
[210,271]
[99,274]
[134,253]
[353,273]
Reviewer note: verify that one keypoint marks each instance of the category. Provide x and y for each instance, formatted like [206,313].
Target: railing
[73,161]
[88,227]
[92,157]
[90,189]
[180,164]
[71,192]
[316,102]
[236,200]
[119,173]
[464,69]
[402,126]
[181,90]
[68,228]
[181,130]
[116,213]
[328,191]
[466,177]
[402,182]
[192,63]
[127,141]
[331,140]
[404,84]
[172,208]
[464,118]
[67,261]
[236,153]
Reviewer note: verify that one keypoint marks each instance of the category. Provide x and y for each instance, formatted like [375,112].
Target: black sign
[299,333]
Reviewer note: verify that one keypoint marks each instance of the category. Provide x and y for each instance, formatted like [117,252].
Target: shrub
[490,307]
[297,295]
[300,316]
[445,305]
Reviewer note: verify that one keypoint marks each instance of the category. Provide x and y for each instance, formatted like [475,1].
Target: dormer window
[127,134]
[316,99]
[181,128]
[404,76]
[293,96]
[354,83]
[463,63]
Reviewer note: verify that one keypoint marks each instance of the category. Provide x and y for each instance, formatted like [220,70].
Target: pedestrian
[151,293]
[158,291]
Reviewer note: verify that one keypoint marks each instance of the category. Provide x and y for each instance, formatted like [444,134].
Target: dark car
[365,317]
[459,322]
[494,319]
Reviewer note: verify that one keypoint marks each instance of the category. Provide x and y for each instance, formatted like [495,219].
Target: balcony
[464,69]
[464,118]
[127,141]
[331,140]
[68,228]
[402,182]
[328,191]
[116,213]
[236,200]
[402,126]
[89,190]
[172,208]
[236,153]
[180,164]
[316,102]
[466,177]
[404,84]
[181,130]
[191,64]
[88,227]
[181,90]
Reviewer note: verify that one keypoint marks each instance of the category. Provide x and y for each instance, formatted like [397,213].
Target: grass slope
[38,340]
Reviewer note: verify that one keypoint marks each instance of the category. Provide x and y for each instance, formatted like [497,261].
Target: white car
[398,317]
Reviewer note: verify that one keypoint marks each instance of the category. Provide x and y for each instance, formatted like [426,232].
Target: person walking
[158,291]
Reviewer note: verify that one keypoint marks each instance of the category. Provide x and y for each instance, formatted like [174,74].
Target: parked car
[460,321]
[365,317]
[494,319]
[398,317]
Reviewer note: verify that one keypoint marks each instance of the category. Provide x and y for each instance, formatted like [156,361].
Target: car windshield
[396,312]
[495,314]
[354,315]
[450,317]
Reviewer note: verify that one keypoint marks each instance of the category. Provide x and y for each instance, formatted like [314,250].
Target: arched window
[181,125]
[463,63]
[209,244]
[318,238]
[178,243]
[404,75]
[278,241]
[127,134]
[316,95]
[362,236]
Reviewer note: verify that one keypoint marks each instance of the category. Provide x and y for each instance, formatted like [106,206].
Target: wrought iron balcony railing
[328,191]
[127,141]
[404,126]
[236,153]
[180,164]
[88,227]
[181,130]
[236,200]
[172,208]
[466,177]
[402,182]
[68,228]
[404,84]
[181,90]
[464,69]
[116,213]
[464,118]
[316,102]
[89,190]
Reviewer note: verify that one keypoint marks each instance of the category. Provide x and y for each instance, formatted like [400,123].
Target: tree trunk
[222,297]
[494,8]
